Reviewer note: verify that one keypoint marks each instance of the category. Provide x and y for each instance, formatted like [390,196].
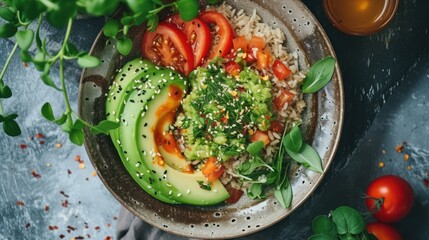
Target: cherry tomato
[285,97]
[280,70]
[383,231]
[396,194]
[250,57]
[234,195]
[233,68]
[225,33]
[168,46]
[198,34]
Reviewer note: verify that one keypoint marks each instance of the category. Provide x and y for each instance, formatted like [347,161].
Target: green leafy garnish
[204,185]
[18,16]
[343,223]
[319,75]
[293,140]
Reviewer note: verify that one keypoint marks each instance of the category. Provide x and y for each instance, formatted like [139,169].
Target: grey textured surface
[373,68]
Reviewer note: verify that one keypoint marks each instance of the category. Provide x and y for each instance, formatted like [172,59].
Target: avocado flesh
[131,74]
[136,104]
[180,186]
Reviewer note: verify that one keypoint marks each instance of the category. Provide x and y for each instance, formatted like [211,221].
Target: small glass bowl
[378,20]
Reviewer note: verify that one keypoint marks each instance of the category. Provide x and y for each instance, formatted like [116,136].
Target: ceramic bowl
[323,121]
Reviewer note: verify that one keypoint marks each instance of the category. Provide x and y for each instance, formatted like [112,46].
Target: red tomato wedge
[198,34]
[225,33]
[168,46]
[234,195]
[280,70]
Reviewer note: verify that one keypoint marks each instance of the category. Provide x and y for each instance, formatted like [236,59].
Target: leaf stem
[3,71]
[62,78]
[157,10]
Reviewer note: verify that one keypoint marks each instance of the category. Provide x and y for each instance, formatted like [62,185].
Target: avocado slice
[180,186]
[137,102]
[131,74]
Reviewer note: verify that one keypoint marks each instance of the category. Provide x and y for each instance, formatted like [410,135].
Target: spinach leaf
[308,157]
[319,75]
[348,220]
[293,140]
[324,225]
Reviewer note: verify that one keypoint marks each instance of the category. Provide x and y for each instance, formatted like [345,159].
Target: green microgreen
[205,186]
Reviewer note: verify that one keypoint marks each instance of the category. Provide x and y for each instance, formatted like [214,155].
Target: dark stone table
[46,192]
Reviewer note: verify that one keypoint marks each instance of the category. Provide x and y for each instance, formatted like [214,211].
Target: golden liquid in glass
[359,15]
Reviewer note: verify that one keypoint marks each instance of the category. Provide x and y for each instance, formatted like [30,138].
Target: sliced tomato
[240,43]
[263,59]
[234,195]
[281,70]
[285,97]
[211,170]
[233,68]
[168,46]
[276,126]
[225,33]
[260,136]
[198,34]
[256,42]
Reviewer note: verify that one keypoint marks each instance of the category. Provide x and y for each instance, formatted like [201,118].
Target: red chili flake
[78,159]
[20,203]
[25,64]
[52,227]
[426,182]
[39,135]
[108,225]
[35,174]
[65,203]
[97,228]
[399,148]
[108,238]
[27,225]
[62,236]
[41,142]
[71,228]
[69,172]
[46,208]
[23,146]
[63,193]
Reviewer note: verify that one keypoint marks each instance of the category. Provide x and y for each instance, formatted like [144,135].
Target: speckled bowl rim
[339,103]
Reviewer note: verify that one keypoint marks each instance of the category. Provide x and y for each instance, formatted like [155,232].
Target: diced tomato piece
[256,42]
[280,70]
[250,57]
[276,126]
[285,97]
[263,59]
[260,136]
[211,170]
[233,68]
[234,195]
[240,43]
[225,33]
